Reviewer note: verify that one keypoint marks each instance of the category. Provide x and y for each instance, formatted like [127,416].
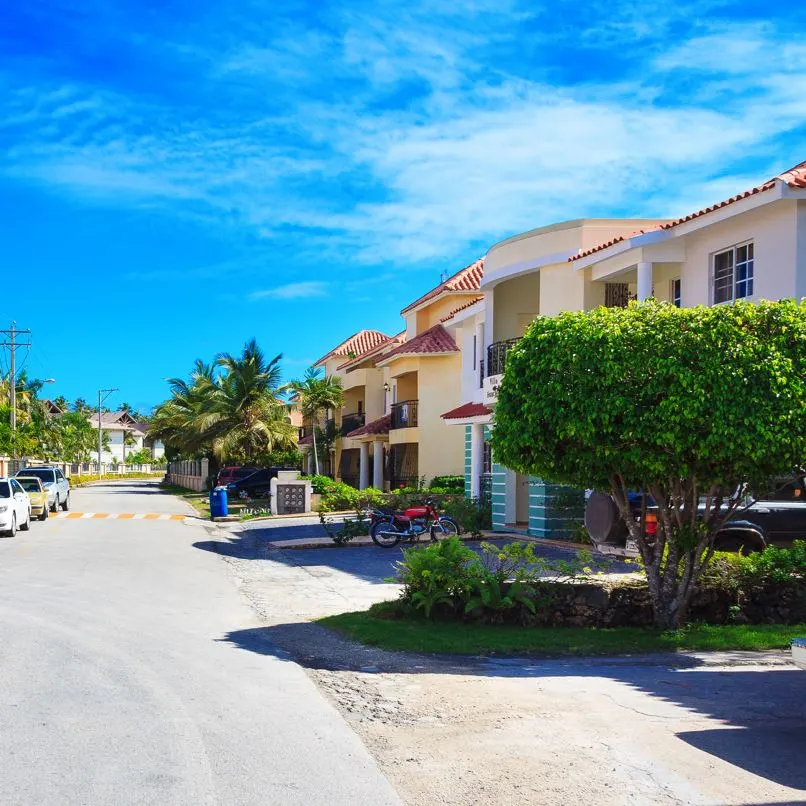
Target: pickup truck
[775,518]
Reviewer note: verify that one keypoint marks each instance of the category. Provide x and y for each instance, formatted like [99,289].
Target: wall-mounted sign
[491,386]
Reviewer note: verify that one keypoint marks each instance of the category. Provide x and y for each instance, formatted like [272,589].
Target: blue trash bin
[218,502]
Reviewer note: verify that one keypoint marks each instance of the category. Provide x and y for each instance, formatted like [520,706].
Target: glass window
[59,476]
[15,486]
[5,489]
[30,485]
[733,274]
[677,297]
[46,474]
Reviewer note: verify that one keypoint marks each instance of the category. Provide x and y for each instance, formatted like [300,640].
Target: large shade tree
[316,393]
[693,407]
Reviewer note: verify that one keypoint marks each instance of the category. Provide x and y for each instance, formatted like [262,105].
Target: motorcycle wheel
[381,537]
[445,527]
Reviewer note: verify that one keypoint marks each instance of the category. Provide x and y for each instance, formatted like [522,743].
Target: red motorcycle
[387,529]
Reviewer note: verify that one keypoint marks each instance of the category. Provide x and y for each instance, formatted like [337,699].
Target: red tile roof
[357,345]
[461,308]
[433,340]
[391,342]
[306,440]
[794,177]
[467,410]
[380,426]
[465,280]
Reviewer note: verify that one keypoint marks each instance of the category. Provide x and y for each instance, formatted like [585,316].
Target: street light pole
[102,395]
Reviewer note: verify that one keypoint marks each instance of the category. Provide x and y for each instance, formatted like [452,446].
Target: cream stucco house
[124,435]
[751,246]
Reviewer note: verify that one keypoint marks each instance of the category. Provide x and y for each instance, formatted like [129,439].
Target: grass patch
[375,628]
[199,501]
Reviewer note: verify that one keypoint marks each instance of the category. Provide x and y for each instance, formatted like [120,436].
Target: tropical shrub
[471,514]
[689,405]
[448,484]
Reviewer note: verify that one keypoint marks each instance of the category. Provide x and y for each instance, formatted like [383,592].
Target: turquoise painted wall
[468,443]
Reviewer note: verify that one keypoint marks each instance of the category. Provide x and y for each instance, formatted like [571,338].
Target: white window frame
[734,282]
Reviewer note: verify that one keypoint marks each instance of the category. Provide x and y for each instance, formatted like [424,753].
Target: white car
[799,652]
[56,484]
[15,507]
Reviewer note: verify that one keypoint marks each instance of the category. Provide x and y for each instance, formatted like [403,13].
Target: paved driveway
[119,684]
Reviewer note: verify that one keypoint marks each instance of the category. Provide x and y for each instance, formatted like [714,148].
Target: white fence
[8,467]
[189,473]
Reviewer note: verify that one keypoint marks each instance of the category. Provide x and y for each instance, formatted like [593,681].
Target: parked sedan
[37,494]
[55,483]
[799,652]
[228,475]
[15,507]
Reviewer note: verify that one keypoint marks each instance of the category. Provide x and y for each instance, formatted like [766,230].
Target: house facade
[123,435]
[751,246]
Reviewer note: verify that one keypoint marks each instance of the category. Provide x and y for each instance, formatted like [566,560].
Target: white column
[309,461]
[476,458]
[644,281]
[363,467]
[377,464]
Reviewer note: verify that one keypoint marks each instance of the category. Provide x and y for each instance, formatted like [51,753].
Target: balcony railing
[497,356]
[404,414]
[349,422]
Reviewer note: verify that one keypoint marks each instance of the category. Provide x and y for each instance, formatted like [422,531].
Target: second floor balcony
[404,414]
[349,422]
[497,356]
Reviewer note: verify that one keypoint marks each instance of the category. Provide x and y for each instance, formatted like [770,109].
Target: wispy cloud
[392,134]
[303,290]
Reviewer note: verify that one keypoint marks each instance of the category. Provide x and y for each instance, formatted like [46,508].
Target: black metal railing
[497,356]
[404,414]
[349,422]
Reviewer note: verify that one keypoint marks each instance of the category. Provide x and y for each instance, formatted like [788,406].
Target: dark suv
[777,517]
[255,485]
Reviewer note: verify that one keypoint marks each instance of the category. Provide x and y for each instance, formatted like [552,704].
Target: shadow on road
[762,710]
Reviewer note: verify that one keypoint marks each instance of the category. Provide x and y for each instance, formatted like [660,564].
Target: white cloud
[420,134]
[302,290]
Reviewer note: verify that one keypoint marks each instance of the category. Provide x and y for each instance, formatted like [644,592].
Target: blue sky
[177,177]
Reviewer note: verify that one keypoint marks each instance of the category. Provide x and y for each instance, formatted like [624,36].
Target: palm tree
[316,394]
[245,413]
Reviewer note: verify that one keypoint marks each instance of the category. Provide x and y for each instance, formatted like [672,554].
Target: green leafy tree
[78,438]
[692,406]
[231,410]
[80,405]
[316,393]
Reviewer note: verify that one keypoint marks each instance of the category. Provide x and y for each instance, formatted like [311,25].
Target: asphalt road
[118,684]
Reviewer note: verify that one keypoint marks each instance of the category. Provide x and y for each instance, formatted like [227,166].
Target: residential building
[751,246]
[124,435]
[361,400]
[524,276]
[423,376]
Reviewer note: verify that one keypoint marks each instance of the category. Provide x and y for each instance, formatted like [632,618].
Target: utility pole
[103,394]
[13,346]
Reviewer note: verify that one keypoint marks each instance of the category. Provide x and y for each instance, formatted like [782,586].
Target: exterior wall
[441,446]
[800,251]
[432,314]
[773,229]
[407,387]
[516,303]
[499,495]
[468,460]
[546,517]
[115,450]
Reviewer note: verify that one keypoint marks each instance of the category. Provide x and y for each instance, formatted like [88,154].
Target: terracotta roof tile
[467,410]
[391,342]
[465,280]
[461,308]
[306,440]
[433,340]
[380,426]
[794,178]
[358,344]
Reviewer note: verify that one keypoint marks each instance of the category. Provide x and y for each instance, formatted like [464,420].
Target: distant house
[123,432]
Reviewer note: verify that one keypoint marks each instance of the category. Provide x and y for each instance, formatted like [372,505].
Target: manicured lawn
[416,635]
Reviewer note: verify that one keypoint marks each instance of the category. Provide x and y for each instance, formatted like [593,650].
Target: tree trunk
[315,452]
